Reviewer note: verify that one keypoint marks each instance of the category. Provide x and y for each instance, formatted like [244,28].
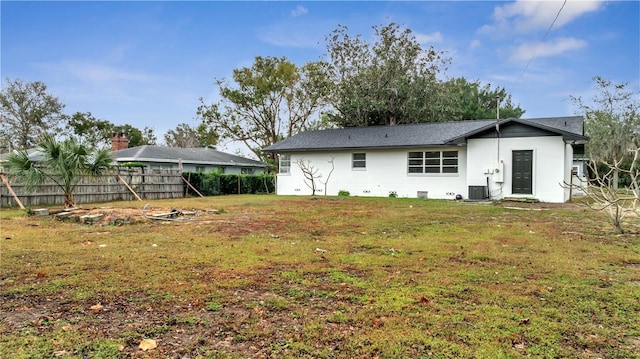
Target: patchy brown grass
[283,277]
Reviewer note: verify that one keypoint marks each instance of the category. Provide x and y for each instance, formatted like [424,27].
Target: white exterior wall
[386,171]
[551,166]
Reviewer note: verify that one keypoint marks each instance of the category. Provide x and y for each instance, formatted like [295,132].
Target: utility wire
[540,43]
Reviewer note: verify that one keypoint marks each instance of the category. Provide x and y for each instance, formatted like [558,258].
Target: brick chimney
[119,141]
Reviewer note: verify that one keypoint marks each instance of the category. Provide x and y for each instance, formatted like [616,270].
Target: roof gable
[570,128]
[513,129]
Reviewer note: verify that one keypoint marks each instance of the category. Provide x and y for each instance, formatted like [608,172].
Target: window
[285,163]
[433,162]
[199,168]
[359,161]
[247,171]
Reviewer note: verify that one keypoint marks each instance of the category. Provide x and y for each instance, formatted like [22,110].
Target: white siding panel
[548,166]
[385,172]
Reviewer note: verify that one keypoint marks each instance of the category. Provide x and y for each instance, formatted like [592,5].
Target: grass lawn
[291,277]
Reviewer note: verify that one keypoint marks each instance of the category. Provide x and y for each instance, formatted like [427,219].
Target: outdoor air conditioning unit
[477,193]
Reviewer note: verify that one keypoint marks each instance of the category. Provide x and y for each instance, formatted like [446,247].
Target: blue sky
[147,63]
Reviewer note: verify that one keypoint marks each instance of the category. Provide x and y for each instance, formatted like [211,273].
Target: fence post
[189,184]
[15,196]
[130,189]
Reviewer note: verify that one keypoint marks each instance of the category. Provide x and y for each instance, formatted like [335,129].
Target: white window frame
[285,165]
[433,162]
[359,161]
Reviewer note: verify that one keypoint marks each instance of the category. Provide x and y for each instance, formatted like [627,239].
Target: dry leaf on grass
[147,344]
[97,307]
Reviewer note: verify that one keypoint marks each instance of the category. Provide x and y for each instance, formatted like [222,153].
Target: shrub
[343,193]
[215,183]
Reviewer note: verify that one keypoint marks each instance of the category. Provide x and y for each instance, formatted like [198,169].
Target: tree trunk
[616,220]
[69,202]
[614,185]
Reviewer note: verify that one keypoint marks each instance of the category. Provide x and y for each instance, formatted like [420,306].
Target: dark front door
[522,172]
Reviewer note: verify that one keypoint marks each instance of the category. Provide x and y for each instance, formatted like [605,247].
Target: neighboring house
[483,159]
[203,159]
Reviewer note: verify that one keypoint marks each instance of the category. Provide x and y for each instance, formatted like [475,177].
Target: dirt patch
[121,216]
[540,205]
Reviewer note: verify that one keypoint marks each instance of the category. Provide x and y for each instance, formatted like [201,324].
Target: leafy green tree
[391,81]
[472,101]
[91,131]
[98,133]
[62,162]
[186,136]
[612,121]
[149,136]
[27,112]
[271,100]
[136,136]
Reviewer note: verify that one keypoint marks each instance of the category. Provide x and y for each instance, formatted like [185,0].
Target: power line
[540,43]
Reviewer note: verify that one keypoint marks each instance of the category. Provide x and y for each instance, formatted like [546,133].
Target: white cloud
[432,38]
[524,16]
[99,82]
[474,44]
[552,48]
[283,38]
[93,72]
[299,11]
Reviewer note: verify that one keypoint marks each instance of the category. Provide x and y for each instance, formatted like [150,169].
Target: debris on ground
[173,215]
[111,216]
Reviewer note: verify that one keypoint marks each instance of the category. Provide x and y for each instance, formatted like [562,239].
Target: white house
[482,159]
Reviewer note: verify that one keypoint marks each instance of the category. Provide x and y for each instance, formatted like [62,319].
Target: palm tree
[64,163]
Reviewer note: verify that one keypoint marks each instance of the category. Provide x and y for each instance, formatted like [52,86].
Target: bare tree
[618,203]
[310,174]
[329,175]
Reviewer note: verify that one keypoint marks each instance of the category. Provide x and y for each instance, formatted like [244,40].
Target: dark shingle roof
[416,135]
[202,155]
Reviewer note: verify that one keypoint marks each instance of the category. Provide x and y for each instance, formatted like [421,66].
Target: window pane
[415,162]
[415,170]
[450,154]
[285,163]
[415,154]
[453,169]
[450,162]
[432,154]
[359,160]
[432,170]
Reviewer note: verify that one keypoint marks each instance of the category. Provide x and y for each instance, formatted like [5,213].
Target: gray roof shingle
[415,135]
[204,155]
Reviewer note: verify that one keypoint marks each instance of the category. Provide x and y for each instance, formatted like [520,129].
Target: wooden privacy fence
[116,185]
